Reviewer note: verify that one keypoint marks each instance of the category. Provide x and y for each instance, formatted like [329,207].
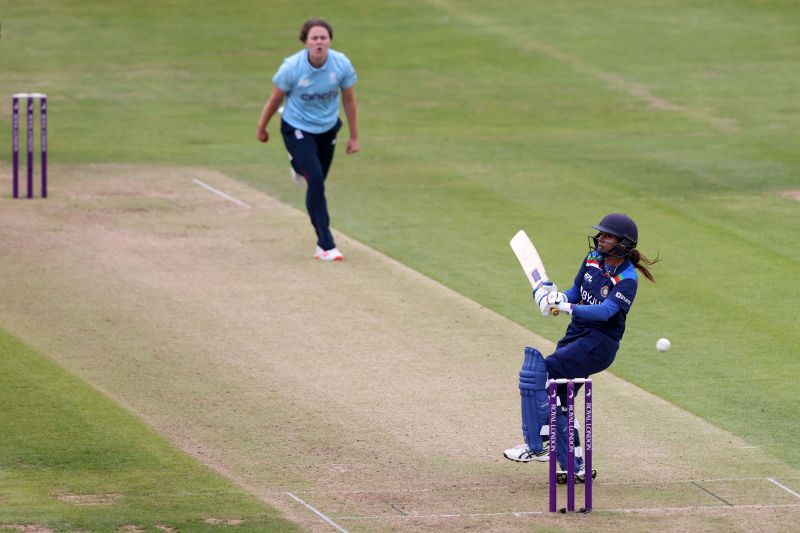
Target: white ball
[663,345]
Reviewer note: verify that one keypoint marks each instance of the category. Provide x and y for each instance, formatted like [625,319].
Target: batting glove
[545,306]
[542,290]
[565,307]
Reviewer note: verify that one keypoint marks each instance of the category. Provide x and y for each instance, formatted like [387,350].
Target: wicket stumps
[15,140]
[552,385]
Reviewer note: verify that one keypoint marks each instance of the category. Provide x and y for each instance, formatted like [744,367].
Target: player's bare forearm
[352,119]
[270,108]
[351,112]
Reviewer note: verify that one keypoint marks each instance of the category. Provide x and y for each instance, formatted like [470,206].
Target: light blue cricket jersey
[312,94]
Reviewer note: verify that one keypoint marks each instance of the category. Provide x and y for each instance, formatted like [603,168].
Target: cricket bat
[530,261]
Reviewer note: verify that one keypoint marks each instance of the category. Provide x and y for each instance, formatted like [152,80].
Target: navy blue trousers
[312,155]
[579,354]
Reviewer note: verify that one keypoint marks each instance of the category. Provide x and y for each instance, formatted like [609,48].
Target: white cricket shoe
[328,255]
[580,477]
[521,453]
[297,178]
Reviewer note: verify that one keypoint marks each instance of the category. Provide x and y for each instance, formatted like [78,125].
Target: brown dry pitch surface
[358,395]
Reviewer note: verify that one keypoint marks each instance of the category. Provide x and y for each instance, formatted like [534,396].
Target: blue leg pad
[534,400]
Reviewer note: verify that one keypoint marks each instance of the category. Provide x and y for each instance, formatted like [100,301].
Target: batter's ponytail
[637,259]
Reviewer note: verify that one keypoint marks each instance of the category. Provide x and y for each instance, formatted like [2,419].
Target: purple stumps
[569,477]
[30,146]
[30,97]
[43,117]
[570,446]
[551,391]
[15,143]
[587,422]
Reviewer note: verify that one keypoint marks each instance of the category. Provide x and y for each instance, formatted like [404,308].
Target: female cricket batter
[311,81]
[598,301]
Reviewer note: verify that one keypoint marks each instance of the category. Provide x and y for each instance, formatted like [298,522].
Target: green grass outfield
[477,121]
[71,459]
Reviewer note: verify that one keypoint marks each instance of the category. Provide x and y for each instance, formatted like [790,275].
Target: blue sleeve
[349,78]
[283,79]
[601,312]
[573,294]
[624,293]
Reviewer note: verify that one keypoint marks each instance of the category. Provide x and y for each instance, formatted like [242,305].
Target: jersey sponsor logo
[303,83]
[587,277]
[620,296]
[588,298]
[310,97]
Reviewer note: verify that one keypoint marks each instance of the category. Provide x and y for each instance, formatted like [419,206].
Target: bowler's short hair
[310,23]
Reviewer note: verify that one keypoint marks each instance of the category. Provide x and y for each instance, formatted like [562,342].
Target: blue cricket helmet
[622,227]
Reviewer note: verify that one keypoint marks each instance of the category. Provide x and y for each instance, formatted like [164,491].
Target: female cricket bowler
[311,81]
[598,301]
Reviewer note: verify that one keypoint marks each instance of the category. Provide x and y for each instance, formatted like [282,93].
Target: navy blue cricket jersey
[603,295]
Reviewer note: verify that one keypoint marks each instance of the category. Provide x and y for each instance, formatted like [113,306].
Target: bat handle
[554,312]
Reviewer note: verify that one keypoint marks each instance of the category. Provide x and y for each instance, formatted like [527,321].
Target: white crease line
[220,193]
[447,515]
[539,513]
[688,481]
[701,508]
[784,487]
[528,485]
[328,520]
